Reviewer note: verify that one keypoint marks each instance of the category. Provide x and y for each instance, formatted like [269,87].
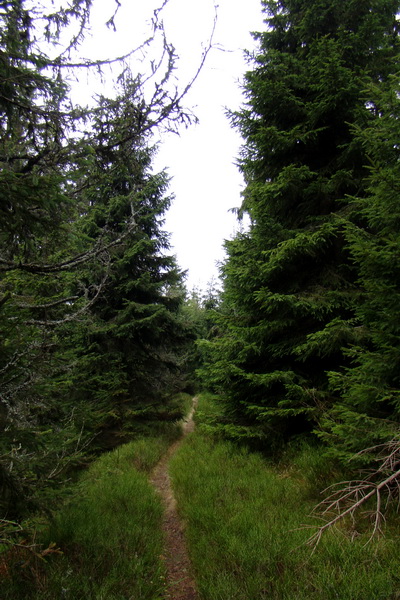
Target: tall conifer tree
[290,283]
[367,412]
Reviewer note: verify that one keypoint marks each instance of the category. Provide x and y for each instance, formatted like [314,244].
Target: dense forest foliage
[306,342]
[94,341]
[97,331]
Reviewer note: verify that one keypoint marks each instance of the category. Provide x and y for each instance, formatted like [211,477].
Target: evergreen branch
[78,9]
[5,299]
[14,360]
[46,112]
[66,457]
[80,312]
[6,396]
[79,259]
[100,63]
[49,304]
[14,524]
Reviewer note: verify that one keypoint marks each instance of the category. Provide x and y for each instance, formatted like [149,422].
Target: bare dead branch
[205,53]
[346,498]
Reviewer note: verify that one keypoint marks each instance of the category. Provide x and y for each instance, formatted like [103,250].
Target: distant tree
[291,288]
[199,312]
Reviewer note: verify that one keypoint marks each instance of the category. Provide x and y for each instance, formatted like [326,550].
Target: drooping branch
[87,63]
[175,101]
[162,103]
[48,304]
[72,317]
[67,265]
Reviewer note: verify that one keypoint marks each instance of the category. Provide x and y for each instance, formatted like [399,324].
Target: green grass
[243,515]
[109,533]
[244,519]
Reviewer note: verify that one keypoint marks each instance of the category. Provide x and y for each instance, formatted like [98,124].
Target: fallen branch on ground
[347,497]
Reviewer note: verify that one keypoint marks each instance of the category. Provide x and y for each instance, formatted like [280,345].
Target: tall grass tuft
[109,533]
[244,525]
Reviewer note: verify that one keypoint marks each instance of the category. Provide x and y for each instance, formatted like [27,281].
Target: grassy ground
[109,534]
[244,520]
[244,523]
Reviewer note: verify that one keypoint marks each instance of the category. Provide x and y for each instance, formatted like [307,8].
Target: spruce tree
[367,413]
[89,295]
[291,287]
[131,349]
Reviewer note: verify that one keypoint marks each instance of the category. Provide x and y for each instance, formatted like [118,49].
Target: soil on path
[180,583]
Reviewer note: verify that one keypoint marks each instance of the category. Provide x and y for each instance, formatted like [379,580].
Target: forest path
[180,583]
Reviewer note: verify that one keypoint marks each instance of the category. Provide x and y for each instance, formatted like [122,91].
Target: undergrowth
[105,542]
[245,526]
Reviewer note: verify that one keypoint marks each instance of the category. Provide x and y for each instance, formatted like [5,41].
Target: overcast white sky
[205,181]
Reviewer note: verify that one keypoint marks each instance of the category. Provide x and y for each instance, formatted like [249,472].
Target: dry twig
[382,484]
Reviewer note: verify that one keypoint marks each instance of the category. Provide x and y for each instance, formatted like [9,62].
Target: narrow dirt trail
[180,583]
